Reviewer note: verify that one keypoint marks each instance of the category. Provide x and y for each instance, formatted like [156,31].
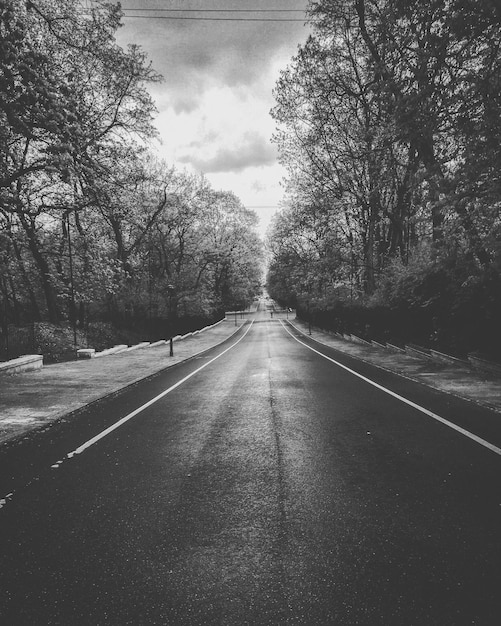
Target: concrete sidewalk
[33,399]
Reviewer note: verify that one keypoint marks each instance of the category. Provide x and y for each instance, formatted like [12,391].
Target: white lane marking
[436,417]
[122,421]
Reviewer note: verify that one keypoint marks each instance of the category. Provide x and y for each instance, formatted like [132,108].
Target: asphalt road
[265,484]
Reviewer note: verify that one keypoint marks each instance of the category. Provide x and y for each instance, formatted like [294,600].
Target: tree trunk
[368,243]
[44,269]
[477,246]
[31,295]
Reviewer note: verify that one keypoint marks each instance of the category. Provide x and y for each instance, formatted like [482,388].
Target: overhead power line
[162,14]
[215,10]
[159,14]
[213,19]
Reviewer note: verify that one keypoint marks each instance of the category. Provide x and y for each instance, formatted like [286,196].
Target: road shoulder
[32,400]
[461,382]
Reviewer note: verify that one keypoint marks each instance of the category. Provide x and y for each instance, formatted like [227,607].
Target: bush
[443,301]
[56,341]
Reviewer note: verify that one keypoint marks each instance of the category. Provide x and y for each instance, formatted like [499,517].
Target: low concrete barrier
[86,353]
[138,346]
[395,348]
[114,350]
[482,365]
[441,357]
[212,325]
[155,344]
[22,364]
[418,352]
[360,341]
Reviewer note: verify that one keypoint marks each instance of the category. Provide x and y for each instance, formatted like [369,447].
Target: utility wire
[213,19]
[216,10]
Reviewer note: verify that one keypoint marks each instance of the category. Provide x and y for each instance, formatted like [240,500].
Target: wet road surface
[264,485]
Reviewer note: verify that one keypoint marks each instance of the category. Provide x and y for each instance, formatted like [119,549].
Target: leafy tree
[389,118]
[232,249]
[91,224]
[67,93]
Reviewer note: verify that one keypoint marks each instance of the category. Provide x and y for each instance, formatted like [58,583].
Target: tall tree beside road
[233,250]
[309,252]
[337,137]
[389,119]
[68,91]
[89,219]
[172,231]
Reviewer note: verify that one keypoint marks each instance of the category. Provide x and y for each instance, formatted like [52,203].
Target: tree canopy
[91,222]
[388,122]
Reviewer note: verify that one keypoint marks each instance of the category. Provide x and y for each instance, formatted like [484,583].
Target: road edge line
[478,403]
[140,409]
[442,420]
[65,415]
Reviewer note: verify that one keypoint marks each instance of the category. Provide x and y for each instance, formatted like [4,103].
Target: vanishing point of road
[270,480]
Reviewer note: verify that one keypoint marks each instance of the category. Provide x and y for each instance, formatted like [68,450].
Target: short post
[309,317]
[235,317]
[170,290]
[73,313]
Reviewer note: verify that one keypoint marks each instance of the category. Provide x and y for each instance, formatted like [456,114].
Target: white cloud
[259,189]
[216,96]
[228,131]
[253,151]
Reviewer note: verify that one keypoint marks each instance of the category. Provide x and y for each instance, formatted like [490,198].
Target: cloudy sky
[216,95]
